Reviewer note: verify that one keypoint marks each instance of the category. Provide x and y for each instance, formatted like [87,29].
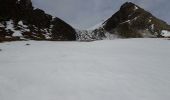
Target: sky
[83,14]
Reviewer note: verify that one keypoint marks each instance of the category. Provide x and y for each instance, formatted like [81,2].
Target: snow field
[121,69]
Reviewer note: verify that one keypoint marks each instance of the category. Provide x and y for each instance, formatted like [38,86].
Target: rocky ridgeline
[19,21]
[131,21]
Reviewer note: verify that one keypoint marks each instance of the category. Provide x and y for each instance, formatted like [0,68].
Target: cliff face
[20,19]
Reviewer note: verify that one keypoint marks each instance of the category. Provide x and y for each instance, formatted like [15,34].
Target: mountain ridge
[36,24]
[20,20]
[132,21]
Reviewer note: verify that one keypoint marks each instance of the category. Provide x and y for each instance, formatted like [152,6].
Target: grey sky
[86,13]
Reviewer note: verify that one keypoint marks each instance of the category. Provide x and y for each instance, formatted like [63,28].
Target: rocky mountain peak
[26,4]
[127,5]
[133,21]
[130,21]
[21,20]
[127,10]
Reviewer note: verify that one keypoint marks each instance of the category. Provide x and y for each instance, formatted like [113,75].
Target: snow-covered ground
[121,69]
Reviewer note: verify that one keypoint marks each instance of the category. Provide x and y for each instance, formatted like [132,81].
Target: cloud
[86,13]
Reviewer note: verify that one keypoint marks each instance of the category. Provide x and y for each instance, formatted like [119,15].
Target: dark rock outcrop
[133,21]
[62,31]
[32,23]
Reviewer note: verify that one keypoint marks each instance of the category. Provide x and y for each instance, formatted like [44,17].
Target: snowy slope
[165,33]
[122,69]
[10,26]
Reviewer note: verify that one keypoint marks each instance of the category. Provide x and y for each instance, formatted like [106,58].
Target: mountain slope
[19,16]
[20,20]
[131,21]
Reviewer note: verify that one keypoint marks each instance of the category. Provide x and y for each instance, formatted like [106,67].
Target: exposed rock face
[62,31]
[19,16]
[133,21]
[15,9]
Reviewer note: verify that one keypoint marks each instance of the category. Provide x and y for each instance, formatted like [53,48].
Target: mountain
[20,20]
[131,21]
